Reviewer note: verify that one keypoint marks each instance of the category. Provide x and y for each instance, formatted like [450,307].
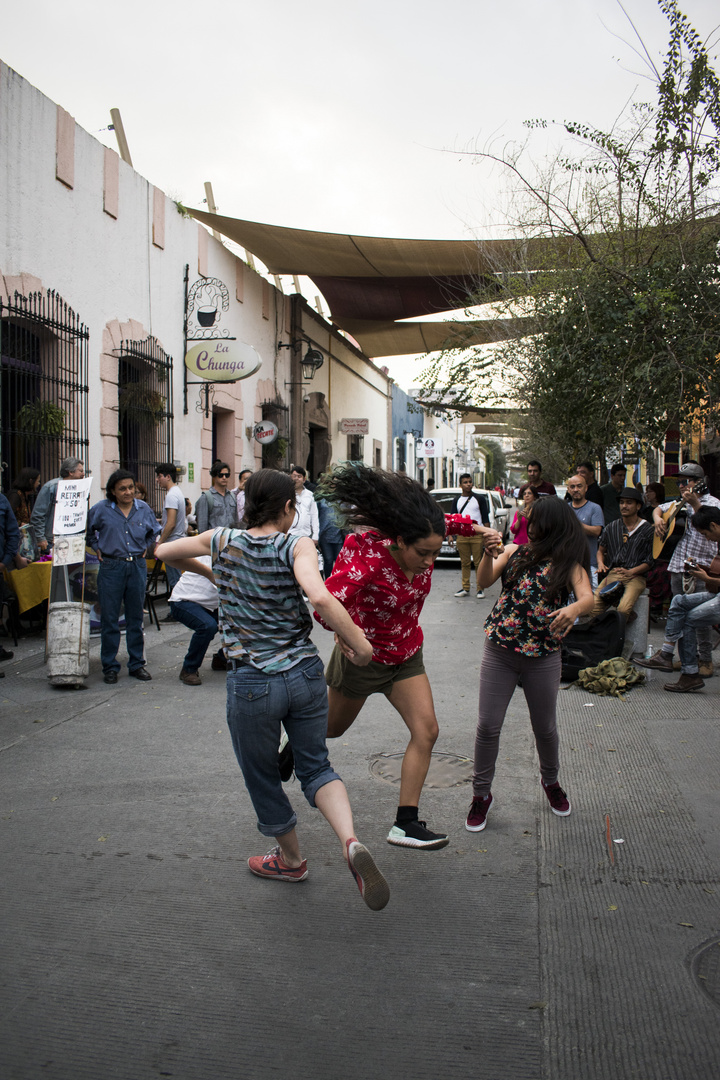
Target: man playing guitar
[692,613]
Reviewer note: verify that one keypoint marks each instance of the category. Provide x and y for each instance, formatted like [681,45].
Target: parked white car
[499,516]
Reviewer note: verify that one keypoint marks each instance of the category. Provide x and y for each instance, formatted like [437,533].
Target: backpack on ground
[587,645]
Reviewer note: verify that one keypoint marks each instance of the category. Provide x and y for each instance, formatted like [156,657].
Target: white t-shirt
[175,500]
[469,507]
[197,588]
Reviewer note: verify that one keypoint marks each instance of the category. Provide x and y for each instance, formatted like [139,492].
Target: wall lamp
[311,361]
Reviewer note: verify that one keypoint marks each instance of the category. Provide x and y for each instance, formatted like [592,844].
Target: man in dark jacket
[470,548]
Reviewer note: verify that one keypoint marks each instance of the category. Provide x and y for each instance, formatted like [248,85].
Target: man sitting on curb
[626,552]
[689,611]
[194,602]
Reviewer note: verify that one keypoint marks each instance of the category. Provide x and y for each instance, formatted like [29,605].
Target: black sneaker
[5,655]
[416,834]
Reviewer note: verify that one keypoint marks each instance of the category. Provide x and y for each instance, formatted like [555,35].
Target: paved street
[136,944]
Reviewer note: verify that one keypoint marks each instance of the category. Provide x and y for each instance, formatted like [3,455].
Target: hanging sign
[71,506]
[222,361]
[428,448]
[265,432]
[354,426]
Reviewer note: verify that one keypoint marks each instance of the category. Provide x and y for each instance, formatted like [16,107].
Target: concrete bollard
[68,650]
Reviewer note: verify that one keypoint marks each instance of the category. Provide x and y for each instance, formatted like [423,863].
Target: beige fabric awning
[301,251]
[397,338]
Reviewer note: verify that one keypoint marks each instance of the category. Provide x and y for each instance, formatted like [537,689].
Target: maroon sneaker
[477,816]
[559,802]
[272,866]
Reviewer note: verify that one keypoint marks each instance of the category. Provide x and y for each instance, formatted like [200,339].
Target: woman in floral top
[382,577]
[524,632]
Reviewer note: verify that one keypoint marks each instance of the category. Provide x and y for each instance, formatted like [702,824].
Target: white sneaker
[462,592]
[480,594]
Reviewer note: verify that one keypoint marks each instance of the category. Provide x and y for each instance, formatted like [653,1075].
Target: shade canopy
[397,339]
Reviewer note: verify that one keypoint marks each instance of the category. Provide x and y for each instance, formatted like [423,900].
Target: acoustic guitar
[669,518]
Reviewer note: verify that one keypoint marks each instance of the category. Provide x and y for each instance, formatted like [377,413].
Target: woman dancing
[382,577]
[524,631]
[275,675]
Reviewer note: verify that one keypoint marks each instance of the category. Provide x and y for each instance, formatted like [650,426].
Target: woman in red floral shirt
[382,577]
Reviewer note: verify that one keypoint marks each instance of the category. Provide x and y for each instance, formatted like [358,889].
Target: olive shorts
[360,682]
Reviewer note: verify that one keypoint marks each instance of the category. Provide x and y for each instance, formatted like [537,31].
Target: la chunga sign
[222,361]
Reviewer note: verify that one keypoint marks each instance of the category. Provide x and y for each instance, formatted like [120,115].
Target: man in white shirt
[173,515]
[470,548]
[194,603]
[306,512]
[239,493]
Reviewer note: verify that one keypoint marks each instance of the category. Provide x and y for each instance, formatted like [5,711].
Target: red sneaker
[477,814]
[373,887]
[559,802]
[272,866]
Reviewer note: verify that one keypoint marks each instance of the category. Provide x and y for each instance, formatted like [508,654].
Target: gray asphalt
[136,944]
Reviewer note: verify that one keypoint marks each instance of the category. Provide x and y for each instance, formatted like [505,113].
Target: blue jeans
[173,575]
[330,550]
[205,625]
[686,614]
[119,583]
[257,704]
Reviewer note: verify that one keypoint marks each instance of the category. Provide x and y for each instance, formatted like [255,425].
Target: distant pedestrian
[528,496]
[611,493]
[122,529]
[535,478]
[474,505]
[239,493]
[524,631]
[275,674]
[307,522]
[23,494]
[217,508]
[173,515]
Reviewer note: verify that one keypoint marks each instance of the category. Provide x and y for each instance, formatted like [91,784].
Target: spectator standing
[332,537]
[658,579]
[625,552]
[194,603]
[470,504]
[694,545]
[611,493]
[307,522]
[528,496]
[23,494]
[9,546]
[43,515]
[239,493]
[217,508]
[121,528]
[591,520]
[594,492]
[173,520]
[543,487]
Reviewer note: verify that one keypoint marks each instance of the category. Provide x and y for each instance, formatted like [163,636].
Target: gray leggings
[499,673]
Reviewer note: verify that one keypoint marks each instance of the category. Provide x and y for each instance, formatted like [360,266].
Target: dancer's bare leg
[342,712]
[413,700]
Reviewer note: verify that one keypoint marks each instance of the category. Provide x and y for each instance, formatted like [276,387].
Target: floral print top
[378,596]
[518,620]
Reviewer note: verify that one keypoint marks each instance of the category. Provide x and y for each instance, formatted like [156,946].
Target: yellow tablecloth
[31,585]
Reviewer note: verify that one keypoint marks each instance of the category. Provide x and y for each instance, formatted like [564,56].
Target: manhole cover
[446,770]
[706,970]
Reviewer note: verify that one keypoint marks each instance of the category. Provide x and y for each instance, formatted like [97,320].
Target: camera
[306,398]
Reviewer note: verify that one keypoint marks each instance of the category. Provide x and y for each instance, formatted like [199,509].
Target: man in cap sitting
[625,553]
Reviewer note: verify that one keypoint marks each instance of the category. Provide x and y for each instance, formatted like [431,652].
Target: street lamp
[310,363]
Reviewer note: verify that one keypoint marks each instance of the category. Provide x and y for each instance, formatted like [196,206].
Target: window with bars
[43,385]
[145,418]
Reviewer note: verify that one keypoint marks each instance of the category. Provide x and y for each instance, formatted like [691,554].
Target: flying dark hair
[266,493]
[217,467]
[705,516]
[115,478]
[389,502]
[554,533]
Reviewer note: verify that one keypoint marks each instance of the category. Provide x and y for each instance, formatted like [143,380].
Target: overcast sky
[319,115]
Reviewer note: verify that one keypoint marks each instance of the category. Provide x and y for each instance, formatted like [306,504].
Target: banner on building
[354,426]
[428,448]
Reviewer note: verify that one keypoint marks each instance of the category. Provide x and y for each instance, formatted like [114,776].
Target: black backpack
[587,645]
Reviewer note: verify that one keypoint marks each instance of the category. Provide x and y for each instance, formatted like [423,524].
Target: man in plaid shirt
[692,546]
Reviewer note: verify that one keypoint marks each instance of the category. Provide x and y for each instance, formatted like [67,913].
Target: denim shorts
[257,704]
[360,682]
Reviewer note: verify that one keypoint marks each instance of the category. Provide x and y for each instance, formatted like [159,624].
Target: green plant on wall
[141,403]
[274,453]
[44,419]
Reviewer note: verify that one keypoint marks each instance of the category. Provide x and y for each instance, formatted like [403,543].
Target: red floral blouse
[378,596]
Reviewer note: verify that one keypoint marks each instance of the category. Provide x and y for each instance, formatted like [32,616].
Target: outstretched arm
[181,553]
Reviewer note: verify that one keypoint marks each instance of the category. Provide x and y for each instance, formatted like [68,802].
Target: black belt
[123,558]
[235,665]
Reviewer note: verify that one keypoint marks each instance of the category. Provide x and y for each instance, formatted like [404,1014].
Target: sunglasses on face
[224,475]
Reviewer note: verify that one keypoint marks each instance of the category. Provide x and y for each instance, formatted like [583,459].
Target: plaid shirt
[622,550]
[693,544]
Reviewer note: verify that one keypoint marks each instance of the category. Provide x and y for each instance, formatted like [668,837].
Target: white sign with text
[71,506]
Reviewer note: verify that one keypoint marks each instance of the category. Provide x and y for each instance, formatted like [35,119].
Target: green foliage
[44,419]
[496,467]
[620,237]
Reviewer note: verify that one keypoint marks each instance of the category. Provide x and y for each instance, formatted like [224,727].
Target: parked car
[499,516]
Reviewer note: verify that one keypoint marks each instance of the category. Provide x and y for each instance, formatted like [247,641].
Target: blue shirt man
[590,517]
